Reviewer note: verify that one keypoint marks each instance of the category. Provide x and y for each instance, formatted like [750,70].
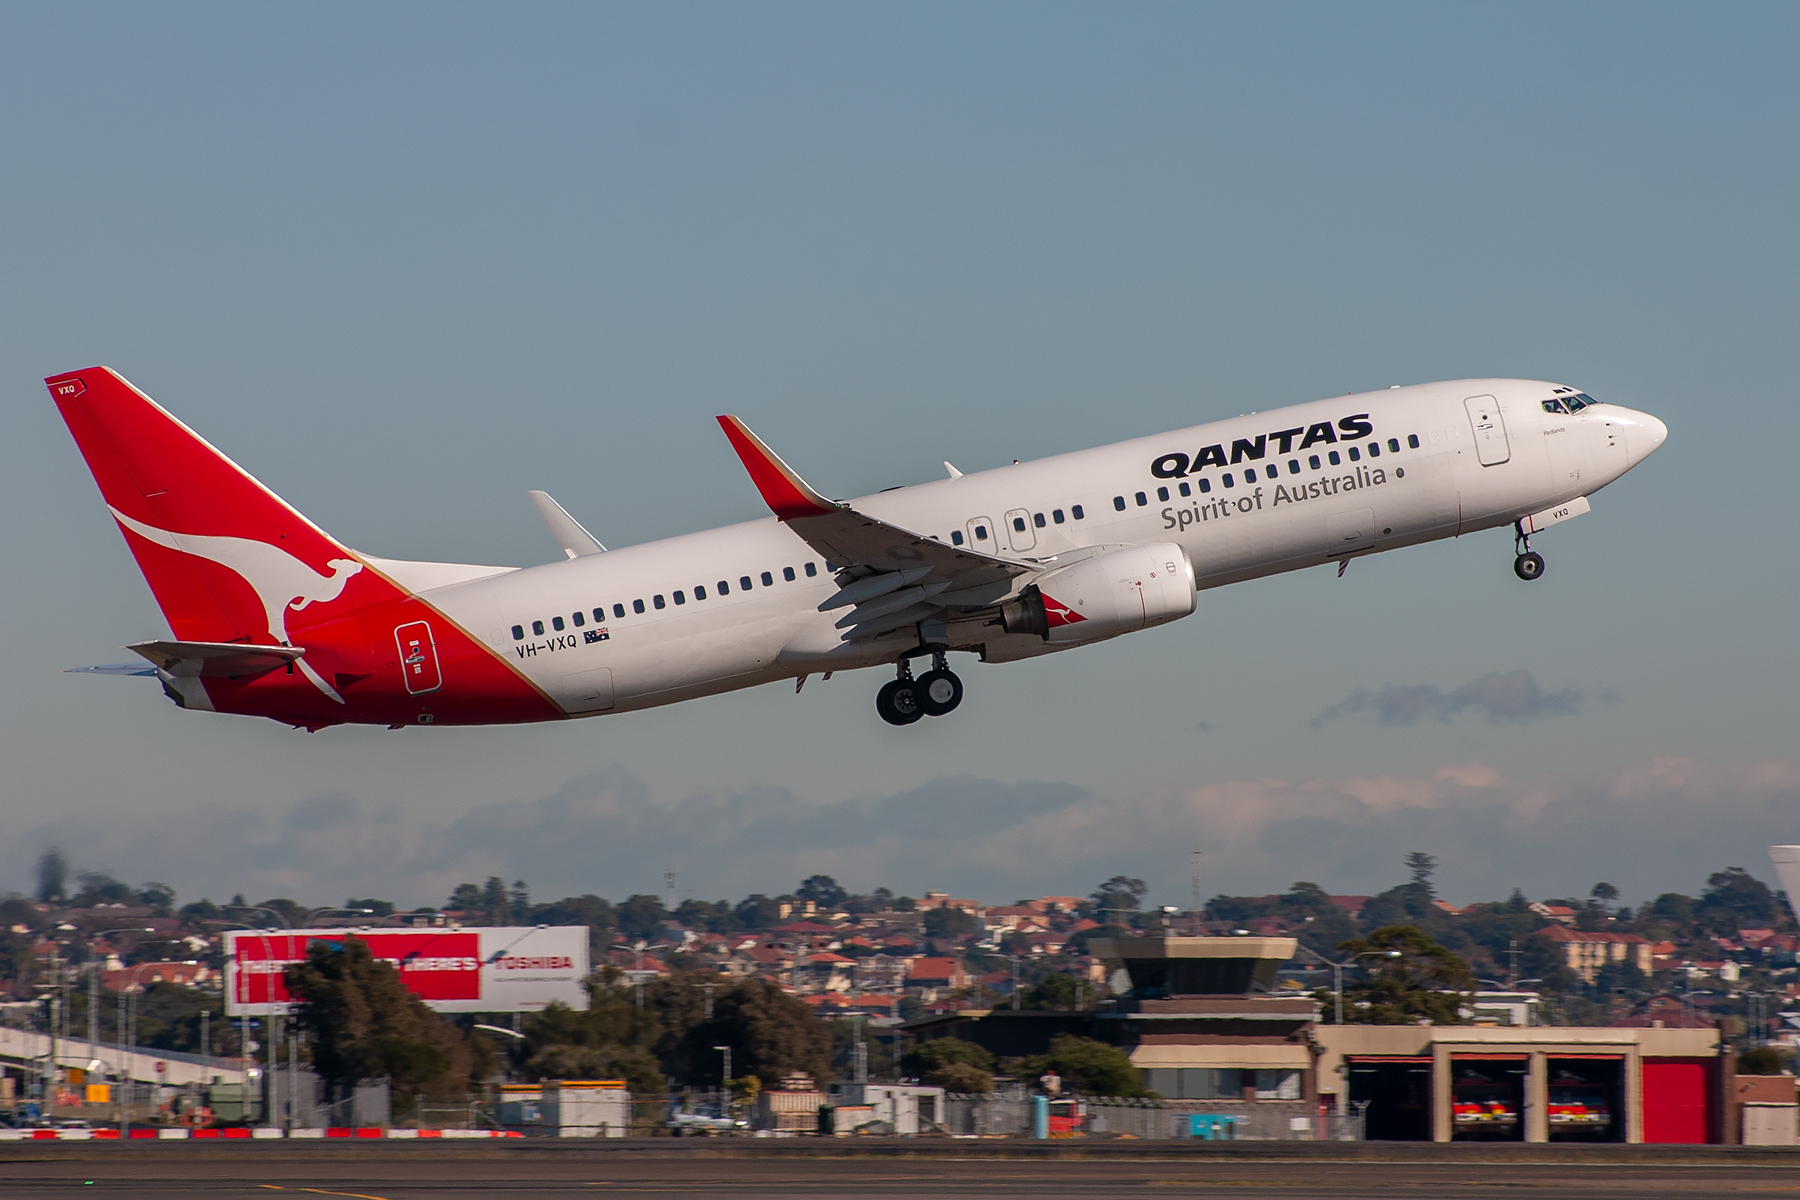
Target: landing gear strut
[933,694]
[1528,564]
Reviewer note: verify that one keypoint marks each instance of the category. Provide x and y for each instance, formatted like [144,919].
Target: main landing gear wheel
[899,702]
[939,691]
[1529,566]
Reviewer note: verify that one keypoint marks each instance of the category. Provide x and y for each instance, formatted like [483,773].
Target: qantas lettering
[1215,510]
[1178,465]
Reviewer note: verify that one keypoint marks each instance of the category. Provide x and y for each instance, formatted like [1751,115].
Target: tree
[824,892]
[1421,865]
[699,915]
[589,910]
[1604,894]
[879,900]
[1760,1060]
[1055,992]
[366,1025]
[641,918]
[612,1039]
[1090,1067]
[1734,899]
[496,904]
[770,1033]
[878,1054]
[52,876]
[1118,895]
[1406,976]
[1619,974]
[952,1064]
[465,899]
[158,896]
[98,887]
[757,912]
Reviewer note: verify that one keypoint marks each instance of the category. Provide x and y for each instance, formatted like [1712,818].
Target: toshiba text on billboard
[496,969]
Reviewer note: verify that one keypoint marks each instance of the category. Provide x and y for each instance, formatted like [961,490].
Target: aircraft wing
[892,576]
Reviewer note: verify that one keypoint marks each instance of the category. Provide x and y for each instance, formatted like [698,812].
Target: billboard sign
[493,969]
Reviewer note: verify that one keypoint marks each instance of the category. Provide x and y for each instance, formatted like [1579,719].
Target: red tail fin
[227,559]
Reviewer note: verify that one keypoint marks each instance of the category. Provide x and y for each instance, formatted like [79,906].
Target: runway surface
[428,1176]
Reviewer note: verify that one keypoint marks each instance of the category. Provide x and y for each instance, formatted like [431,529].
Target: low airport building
[1207,1025]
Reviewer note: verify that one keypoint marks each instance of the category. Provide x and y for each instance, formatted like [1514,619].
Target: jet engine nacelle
[1101,597]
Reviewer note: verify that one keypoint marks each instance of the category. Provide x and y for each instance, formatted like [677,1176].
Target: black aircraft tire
[1529,566]
[898,702]
[939,692]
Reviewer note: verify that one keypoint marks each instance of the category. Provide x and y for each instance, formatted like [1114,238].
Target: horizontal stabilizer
[136,668]
[216,660]
[574,540]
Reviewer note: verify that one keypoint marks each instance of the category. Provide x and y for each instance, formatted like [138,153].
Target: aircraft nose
[1649,434]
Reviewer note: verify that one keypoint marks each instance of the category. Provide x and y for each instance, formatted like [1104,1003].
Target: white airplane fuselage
[273,617]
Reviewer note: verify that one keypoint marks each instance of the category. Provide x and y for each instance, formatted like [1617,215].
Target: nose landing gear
[933,694]
[1528,563]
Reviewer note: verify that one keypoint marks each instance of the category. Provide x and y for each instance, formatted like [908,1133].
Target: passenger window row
[1057,517]
[722,587]
[1313,462]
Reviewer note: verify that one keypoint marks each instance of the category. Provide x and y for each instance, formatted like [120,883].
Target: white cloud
[1652,826]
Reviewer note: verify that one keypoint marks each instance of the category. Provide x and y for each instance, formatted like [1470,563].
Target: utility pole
[1512,961]
[726,1085]
[860,1071]
[1194,869]
[1015,983]
[94,1009]
[669,890]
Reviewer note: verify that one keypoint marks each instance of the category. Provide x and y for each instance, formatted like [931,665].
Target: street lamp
[1337,971]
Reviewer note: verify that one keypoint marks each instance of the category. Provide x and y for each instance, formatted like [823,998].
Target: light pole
[128,1035]
[726,1050]
[1337,972]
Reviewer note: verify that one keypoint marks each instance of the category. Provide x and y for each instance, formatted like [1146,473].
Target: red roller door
[1675,1099]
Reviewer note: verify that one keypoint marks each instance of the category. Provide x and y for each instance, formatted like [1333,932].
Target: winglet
[785,492]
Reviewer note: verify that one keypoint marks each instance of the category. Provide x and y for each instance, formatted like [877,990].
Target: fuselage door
[982,535]
[1491,446]
[1019,533]
[418,658]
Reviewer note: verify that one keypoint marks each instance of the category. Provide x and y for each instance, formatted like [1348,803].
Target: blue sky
[404,263]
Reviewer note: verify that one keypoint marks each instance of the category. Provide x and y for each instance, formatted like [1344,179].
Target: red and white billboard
[492,969]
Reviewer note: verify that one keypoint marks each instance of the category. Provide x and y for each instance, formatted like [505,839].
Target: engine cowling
[1109,594]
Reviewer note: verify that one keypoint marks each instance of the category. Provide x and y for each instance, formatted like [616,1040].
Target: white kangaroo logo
[280,580]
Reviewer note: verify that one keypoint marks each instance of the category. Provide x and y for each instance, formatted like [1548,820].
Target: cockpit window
[1554,406]
[1581,400]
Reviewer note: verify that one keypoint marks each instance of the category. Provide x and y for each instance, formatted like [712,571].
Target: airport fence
[1009,1115]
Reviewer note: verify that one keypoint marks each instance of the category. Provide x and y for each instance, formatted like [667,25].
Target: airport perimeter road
[414,1172]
